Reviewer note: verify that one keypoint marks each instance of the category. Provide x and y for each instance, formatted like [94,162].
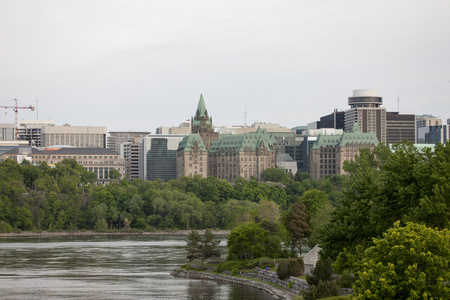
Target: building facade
[227,156]
[334,120]
[76,136]
[98,160]
[329,152]
[400,127]
[158,158]
[31,131]
[365,109]
[116,138]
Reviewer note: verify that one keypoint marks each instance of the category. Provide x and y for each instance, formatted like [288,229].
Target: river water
[105,267]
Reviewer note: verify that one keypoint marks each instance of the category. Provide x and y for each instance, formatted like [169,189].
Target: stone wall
[236,280]
[296,287]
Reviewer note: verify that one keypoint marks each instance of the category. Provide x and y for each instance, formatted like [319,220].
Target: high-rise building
[116,138]
[131,152]
[365,109]
[400,127]
[76,136]
[158,156]
[434,134]
[423,122]
[334,120]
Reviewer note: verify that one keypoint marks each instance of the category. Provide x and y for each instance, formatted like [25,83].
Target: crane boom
[16,116]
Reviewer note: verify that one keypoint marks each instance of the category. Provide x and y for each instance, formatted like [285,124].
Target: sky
[137,65]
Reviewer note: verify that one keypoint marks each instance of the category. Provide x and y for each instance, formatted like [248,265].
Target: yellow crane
[16,116]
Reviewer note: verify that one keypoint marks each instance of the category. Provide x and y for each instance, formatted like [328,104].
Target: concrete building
[225,156]
[116,138]
[98,160]
[329,152]
[365,109]
[270,127]
[8,145]
[7,131]
[131,152]
[424,121]
[31,131]
[158,156]
[76,136]
[184,128]
[400,127]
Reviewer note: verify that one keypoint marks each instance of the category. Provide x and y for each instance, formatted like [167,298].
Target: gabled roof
[241,142]
[189,141]
[355,136]
[201,113]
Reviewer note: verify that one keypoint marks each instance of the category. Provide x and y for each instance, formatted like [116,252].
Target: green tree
[202,248]
[297,224]
[410,262]
[275,175]
[249,240]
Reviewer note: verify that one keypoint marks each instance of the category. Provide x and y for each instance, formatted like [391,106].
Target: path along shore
[91,233]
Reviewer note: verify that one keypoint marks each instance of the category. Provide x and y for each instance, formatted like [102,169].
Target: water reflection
[104,267]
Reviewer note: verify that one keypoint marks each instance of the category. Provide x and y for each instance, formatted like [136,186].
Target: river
[105,267]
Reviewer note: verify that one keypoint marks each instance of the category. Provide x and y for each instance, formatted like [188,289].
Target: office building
[365,109]
[116,138]
[76,136]
[7,131]
[30,130]
[334,120]
[400,127]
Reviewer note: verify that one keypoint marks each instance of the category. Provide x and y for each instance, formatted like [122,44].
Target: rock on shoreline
[236,280]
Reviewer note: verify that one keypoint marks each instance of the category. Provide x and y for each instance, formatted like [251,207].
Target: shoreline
[93,233]
[282,294]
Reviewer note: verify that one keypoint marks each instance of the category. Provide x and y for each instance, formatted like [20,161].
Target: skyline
[143,64]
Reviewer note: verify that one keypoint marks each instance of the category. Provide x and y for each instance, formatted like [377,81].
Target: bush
[346,280]
[289,267]
[266,262]
[322,272]
[235,271]
[301,263]
[229,265]
[321,290]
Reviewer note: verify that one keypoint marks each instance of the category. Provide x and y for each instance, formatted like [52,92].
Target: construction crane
[16,116]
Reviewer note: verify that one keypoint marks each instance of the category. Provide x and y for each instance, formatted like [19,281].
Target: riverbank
[92,233]
[282,294]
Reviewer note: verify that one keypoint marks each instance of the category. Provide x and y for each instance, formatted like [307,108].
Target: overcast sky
[138,65]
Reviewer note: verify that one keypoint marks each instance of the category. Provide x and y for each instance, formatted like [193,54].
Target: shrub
[283,270]
[321,290]
[301,263]
[235,271]
[322,271]
[289,267]
[229,265]
[266,262]
[346,280]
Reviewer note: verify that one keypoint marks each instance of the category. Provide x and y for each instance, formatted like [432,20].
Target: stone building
[327,156]
[98,160]
[76,136]
[227,156]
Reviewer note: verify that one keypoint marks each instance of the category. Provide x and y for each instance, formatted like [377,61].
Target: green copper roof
[235,143]
[356,136]
[201,108]
[188,142]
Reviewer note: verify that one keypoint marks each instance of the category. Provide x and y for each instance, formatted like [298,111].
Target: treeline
[67,198]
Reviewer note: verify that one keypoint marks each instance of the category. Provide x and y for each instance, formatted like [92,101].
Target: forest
[66,197]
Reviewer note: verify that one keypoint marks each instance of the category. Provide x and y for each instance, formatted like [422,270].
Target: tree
[410,262]
[276,175]
[297,224]
[249,240]
[114,174]
[385,186]
[202,248]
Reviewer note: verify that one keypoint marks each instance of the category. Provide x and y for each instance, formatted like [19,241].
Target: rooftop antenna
[37,109]
[398,101]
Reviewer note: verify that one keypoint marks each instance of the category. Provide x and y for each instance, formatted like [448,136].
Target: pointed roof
[190,140]
[201,107]
[356,128]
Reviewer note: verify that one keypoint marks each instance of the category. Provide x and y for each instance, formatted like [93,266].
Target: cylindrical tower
[365,98]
